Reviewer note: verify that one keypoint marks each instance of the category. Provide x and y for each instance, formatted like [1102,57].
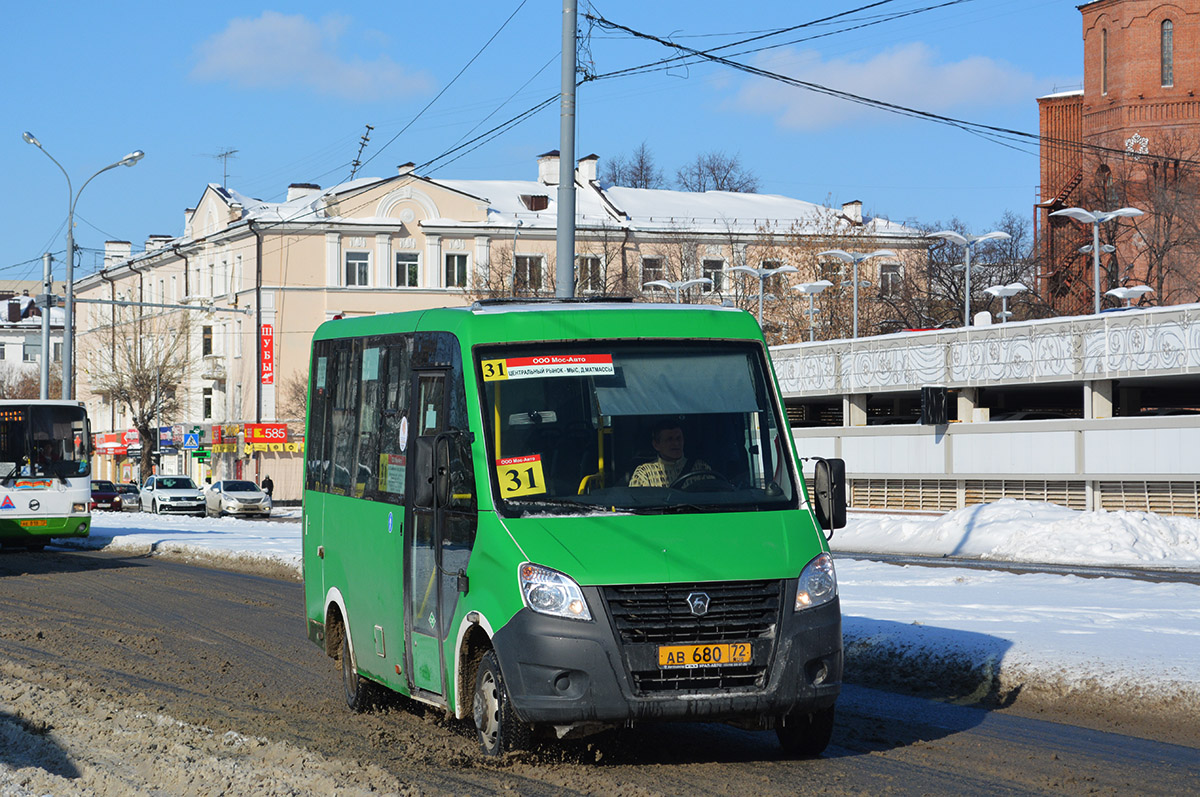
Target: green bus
[556,518]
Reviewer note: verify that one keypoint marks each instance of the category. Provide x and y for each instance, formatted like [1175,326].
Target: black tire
[156,508]
[355,689]
[805,735]
[499,728]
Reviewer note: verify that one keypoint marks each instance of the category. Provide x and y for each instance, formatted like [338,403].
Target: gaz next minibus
[45,476]
[558,518]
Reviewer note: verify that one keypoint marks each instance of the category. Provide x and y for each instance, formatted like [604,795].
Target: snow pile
[1027,531]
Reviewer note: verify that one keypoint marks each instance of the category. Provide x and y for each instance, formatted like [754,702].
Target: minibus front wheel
[805,734]
[356,689]
[500,730]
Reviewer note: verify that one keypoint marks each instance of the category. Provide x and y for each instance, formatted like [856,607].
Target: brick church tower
[1131,137]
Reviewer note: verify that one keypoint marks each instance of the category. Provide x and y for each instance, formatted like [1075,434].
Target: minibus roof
[504,321]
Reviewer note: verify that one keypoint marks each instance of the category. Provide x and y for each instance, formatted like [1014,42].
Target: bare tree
[140,362]
[20,383]
[716,171]
[294,395]
[637,170]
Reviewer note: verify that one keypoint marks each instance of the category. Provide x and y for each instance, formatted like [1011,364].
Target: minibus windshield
[633,425]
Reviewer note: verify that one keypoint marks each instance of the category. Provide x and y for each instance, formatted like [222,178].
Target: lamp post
[1130,293]
[762,274]
[812,290]
[1096,218]
[966,242]
[68,353]
[679,285]
[1004,292]
[516,229]
[854,260]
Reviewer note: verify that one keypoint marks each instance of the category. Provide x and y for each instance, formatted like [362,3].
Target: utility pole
[564,272]
[44,301]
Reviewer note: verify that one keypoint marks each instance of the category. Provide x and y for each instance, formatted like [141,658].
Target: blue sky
[292,86]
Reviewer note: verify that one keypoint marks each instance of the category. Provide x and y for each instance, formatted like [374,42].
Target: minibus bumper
[564,672]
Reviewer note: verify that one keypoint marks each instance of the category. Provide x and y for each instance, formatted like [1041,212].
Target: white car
[172,494]
[236,497]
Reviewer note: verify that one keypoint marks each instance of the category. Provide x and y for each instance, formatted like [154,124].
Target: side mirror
[441,470]
[829,493]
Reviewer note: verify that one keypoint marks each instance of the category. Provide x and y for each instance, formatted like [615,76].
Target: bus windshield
[637,426]
[43,440]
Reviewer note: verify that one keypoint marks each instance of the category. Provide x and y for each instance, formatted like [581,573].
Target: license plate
[704,655]
[27,523]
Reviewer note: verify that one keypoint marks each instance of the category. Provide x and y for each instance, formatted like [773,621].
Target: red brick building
[1131,137]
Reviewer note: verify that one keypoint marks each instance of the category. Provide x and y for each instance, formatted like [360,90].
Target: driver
[667,438]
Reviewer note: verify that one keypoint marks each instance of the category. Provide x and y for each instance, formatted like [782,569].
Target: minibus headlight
[818,583]
[550,592]
[76,508]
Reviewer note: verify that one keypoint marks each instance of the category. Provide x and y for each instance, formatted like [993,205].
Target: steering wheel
[686,481]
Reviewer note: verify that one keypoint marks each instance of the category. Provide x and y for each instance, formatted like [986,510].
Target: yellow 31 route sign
[548,365]
[520,476]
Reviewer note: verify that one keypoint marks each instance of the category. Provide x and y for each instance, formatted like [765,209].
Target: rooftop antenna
[224,156]
[362,145]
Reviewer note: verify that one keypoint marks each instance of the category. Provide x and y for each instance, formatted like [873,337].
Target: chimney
[405,168]
[548,168]
[852,210]
[153,243]
[187,221]
[116,252]
[586,171]
[235,212]
[297,190]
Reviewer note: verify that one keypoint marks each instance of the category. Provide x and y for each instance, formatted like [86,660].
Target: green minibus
[556,518]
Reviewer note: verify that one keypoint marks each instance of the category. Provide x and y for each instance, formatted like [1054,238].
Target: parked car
[130,498]
[236,497]
[105,496]
[172,494]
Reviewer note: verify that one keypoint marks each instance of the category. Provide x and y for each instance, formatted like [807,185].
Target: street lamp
[762,274]
[966,242]
[1129,294]
[1096,218]
[516,229]
[812,290]
[855,259]
[679,285]
[1004,292]
[68,352]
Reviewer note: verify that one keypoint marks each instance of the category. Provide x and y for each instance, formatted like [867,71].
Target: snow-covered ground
[1131,638]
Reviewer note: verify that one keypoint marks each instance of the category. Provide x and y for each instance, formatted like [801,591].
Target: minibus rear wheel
[357,690]
[499,728]
[805,735]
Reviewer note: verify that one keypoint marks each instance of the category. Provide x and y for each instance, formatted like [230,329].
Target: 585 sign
[266,432]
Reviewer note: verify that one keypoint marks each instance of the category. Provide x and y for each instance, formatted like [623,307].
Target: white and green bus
[45,475]
[558,518]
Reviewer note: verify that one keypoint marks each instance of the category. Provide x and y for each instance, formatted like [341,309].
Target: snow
[1123,636]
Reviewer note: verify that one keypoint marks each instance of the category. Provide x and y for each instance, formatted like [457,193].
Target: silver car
[236,497]
[172,494]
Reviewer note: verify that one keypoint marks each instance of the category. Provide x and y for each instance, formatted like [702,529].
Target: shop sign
[266,432]
[268,354]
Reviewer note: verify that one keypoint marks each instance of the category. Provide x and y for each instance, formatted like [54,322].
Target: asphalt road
[229,651]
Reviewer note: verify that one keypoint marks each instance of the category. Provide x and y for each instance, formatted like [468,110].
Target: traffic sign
[191,441]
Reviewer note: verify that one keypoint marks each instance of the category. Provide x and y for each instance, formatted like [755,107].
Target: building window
[889,279]
[358,269]
[1,351]
[456,271]
[206,341]
[529,273]
[1168,53]
[407,269]
[591,274]
[1104,61]
[715,271]
[27,354]
[207,403]
[58,352]
[653,268]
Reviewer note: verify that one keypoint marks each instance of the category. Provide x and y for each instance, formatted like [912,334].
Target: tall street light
[1004,292]
[68,353]
[966,242]
[762,274]
[1096,218]
[679,285]
[812,290]
[855,259]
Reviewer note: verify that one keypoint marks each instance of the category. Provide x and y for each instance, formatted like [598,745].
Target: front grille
[646,616]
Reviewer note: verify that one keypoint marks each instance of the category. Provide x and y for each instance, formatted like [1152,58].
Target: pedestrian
[268,485]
